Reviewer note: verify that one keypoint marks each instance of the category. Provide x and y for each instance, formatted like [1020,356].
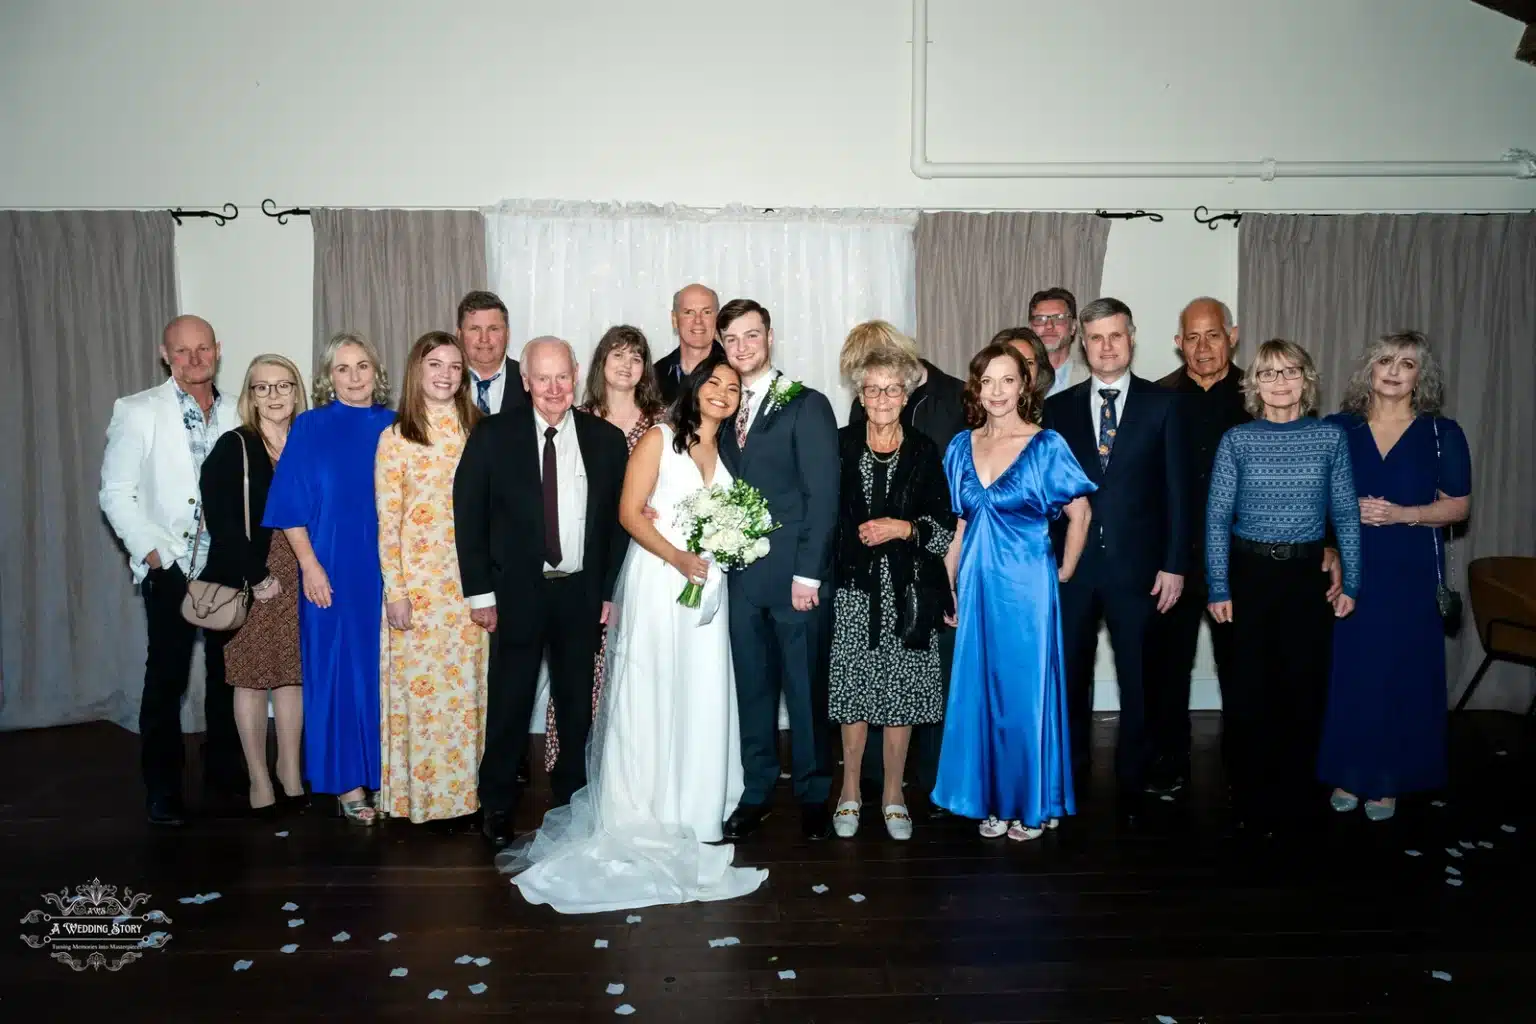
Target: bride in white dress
[664,758]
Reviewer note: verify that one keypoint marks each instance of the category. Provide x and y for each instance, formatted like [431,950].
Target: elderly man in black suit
[1126,433]
[536,517]
[784,443]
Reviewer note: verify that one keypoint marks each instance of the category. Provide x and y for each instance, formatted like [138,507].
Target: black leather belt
[1279,552]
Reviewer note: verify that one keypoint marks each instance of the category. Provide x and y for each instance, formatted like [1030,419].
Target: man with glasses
[1053,316]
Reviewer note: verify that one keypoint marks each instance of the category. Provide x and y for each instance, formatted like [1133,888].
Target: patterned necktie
[483,394]
[551,501]
[742,419]
[1107,425]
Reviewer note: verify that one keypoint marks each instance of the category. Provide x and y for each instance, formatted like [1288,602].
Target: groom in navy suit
[784,443]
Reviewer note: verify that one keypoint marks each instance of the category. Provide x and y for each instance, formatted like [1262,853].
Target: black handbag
[1447,599]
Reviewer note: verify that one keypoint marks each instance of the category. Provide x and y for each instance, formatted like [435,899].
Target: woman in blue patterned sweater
[1276,485]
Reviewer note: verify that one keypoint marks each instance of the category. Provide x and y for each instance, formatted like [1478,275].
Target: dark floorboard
[1094,923]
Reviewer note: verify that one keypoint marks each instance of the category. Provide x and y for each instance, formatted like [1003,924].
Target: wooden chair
[1504,607]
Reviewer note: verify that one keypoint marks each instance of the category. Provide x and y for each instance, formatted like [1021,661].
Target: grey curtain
[393,275]
[84,297]
[976,272]
[1469,282]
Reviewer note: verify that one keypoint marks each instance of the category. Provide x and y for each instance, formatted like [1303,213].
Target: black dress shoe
[496,826]
[744,820]
[815,821]
[522,771]
[165,810]
[937,813]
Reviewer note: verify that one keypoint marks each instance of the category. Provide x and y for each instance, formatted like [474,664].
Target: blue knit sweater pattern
[1280,483]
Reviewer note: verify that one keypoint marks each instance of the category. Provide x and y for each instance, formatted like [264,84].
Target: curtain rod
[230,211]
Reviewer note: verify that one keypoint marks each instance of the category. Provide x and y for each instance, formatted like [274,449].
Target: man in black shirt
[693,320]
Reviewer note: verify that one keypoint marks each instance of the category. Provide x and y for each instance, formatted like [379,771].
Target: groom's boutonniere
[781,393]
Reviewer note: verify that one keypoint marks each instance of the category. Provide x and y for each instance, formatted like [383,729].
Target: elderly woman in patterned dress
[894,525]
[433,663]
[622,389]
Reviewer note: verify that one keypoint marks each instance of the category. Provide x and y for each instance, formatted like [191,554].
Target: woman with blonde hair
[261,658]
[433,660]
[1276,484]
[322,500]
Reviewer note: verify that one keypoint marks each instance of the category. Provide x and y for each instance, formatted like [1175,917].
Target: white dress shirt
[760,389]
[1063,378]
[1096,401]
[494,393]
[570,498]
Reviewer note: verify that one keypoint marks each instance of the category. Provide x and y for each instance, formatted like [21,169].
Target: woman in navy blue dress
[322,499]
[1384,734]
[1006,757]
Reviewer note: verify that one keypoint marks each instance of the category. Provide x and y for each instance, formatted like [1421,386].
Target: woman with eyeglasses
[262,658]
[1276,484]
[894,526]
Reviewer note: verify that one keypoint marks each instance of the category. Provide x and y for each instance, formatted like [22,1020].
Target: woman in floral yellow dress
[433,661]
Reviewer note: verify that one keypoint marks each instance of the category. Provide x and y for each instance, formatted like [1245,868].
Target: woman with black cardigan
[894,525]
[263,656]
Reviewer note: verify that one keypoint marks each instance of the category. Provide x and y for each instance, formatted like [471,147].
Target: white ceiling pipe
[1516,163]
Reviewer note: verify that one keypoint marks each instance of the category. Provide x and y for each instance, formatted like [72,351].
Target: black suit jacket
[1141,514]
[791,457]
[669,371]
[498,513]
[513,397]
[232,559]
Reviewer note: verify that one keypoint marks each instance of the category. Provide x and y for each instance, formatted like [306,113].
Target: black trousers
[778,650]
[923,754]
[1087,600]
[1273,715]
[166,669]
[1172,640]
[569,633]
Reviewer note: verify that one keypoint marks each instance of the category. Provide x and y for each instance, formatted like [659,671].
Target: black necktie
[551,501]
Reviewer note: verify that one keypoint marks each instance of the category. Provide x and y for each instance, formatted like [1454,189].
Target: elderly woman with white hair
[1384,733]
[894,526]
[322,498]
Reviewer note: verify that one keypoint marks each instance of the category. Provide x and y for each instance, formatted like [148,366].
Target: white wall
[159,103]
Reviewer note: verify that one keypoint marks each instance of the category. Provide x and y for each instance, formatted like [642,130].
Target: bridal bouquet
[729,527]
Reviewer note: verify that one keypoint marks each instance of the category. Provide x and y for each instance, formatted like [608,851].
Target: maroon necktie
[551,501]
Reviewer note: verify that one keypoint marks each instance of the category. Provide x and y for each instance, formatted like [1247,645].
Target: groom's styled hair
[738,308]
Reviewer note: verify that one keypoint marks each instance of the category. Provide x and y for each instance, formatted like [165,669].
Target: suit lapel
[589,456]
[1132,412]
[1079,437]
[525,454]
[172,428]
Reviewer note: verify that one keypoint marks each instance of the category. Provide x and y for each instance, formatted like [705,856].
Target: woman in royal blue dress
[322,499]
[1384,733]
[1006,757]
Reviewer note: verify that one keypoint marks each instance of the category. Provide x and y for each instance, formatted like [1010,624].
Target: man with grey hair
[536,521]
[1125,432]
[694,309]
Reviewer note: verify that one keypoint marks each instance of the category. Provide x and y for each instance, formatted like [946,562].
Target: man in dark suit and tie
[784,443]
[1126,433]
[497,380]
[536,517]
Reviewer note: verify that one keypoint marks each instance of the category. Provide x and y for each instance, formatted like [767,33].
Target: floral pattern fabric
[433,675]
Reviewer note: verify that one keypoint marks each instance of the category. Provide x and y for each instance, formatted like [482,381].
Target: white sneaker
[993,828]
[845,820]
[898,823]
[1022,833]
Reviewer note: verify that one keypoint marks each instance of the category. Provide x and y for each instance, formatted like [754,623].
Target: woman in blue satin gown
[322,499]
[1006,756]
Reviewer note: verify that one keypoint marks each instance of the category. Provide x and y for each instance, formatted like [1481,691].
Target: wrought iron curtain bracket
[269,208]
[1156,218]
[230,212]
[1213,219]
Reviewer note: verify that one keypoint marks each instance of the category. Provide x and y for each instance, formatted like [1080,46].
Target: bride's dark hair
[684,414]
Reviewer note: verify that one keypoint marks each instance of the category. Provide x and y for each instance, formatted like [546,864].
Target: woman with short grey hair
[894,526]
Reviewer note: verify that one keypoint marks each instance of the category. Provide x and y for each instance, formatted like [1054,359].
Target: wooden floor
[1089,924]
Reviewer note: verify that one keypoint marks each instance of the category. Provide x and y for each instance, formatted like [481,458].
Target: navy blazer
[792,458]
[1142,519]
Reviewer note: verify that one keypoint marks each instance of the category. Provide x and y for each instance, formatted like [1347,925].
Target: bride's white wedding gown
[664,759]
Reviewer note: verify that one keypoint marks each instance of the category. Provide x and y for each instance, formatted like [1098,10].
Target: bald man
[156,443]
[694,309]
[536,521]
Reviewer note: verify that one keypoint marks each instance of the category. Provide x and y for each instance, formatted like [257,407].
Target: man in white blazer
[156,443]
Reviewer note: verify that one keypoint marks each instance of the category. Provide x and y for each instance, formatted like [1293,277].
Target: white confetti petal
[1453,851]
[1453,881]
[1413,853]
[399,972]
[281,835]
[1507,828]
[857,897]
[290,905]
[292,947]
[818,889]
[243,965]
[1485,844]
[786,975]
[1451,871]
[438,993]
[341,937]
[388,937]
[478,988]
[1466,845]
[632,919]
[623,1009]
[465,959]
[1440,975]
[1437,803]
[482,961]
[1502,753]
[1163,1018]
[294,922]
[599,943]
[615,988]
